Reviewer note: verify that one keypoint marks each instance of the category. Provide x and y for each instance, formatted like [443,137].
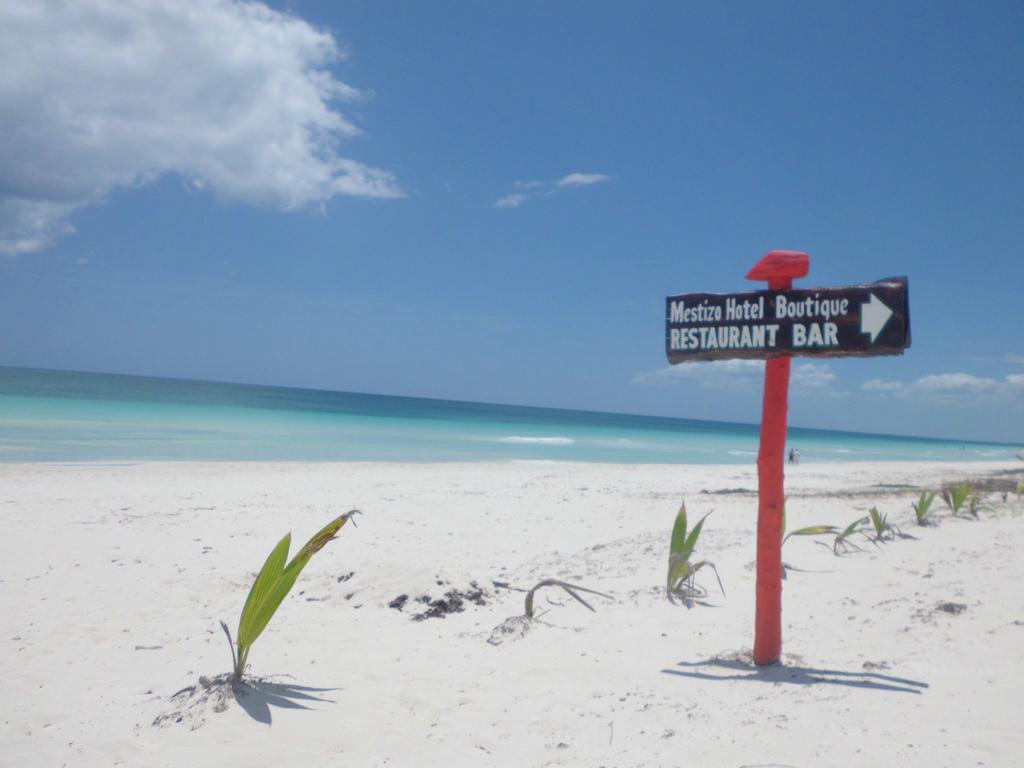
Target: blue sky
[491,201]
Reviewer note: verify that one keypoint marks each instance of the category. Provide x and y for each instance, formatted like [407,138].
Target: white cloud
[812,375]
[513,200]
[101,94]
[736,375]
[581,179]
[877,385]
[951,387]
[541,188]
[28,225]
[1013,358]
[953,382]
[732,374]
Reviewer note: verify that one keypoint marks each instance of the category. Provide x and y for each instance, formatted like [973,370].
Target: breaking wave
[523,440]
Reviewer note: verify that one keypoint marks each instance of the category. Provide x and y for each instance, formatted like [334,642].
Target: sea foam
[524,440]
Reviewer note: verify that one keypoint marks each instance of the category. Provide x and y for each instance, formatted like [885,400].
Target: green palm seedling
[1020,489]
[882,525]
[681,568]
[924,503]
[842,541]
[272,585]
[955,496]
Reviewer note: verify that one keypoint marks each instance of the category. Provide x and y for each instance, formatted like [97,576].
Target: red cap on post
[780,267]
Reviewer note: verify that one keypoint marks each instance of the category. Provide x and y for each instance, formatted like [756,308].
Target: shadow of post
[257,696]
[793,674]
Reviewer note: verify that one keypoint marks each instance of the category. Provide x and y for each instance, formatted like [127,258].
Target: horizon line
[971,441]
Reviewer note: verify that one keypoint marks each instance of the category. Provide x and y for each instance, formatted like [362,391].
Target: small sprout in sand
[882,525]
[517,627]
[272,585]
[923,505]
[956,496]
[681,571]
[1020,489]
[842,541]
[570,588]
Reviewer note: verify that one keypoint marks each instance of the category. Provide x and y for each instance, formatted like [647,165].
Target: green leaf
[261,588]
[876,520]
[924,503]
[963,490]
[572,589]
[702,563]
[812,530]
[278,592]
[848,531]
[956,496]
[679,530]
[678,570]
[315,544]
[852,527]
[691,540]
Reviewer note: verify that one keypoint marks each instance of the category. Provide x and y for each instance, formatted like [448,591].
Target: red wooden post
[778,268]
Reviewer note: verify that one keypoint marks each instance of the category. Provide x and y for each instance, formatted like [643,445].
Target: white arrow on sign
[873,316]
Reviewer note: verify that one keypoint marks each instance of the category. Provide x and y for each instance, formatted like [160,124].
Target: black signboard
[857,320]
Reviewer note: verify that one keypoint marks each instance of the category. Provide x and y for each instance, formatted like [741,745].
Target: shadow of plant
[191,705]
[690,597]
[257,697]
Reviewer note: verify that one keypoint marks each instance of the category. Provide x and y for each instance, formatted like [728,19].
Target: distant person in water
[796,455]
[791,456]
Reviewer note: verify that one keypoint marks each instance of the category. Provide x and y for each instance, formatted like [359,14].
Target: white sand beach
[114,578]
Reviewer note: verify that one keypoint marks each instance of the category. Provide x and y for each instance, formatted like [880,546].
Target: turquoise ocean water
[66,416]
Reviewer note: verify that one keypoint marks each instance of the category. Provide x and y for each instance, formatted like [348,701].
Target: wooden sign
[775,325]
[858,320]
